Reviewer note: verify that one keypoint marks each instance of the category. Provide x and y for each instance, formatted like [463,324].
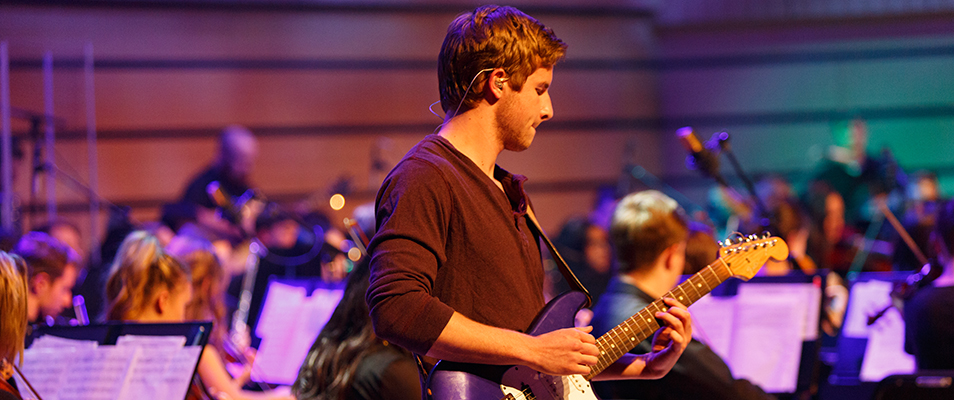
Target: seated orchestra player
[13,321]
[650,232]
[146,284]
[929,313]
[53,271]
[208,304]
[348,361]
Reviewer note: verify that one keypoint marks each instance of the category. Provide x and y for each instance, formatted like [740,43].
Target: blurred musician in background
[929,313]
[701,247]
[208,304]
[13,321]
[860,177]
[650,232]
[349,362]
[832,243]
[146,284]
[230,174]
[924,196]
[791,223]
[586,249]
[225,203]
[53,270]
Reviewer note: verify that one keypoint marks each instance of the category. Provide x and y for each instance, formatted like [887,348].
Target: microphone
[704,158]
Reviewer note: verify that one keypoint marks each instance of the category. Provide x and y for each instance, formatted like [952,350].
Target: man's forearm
[465,340]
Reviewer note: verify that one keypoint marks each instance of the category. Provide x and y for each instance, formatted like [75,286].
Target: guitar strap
[565,270]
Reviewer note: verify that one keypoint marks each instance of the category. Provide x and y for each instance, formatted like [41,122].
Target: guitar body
[458,381]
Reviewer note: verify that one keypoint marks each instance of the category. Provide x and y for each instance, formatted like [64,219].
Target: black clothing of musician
[929,327]
[699,374]
[196,192]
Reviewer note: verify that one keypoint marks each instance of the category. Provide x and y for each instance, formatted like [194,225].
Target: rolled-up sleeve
[413,212]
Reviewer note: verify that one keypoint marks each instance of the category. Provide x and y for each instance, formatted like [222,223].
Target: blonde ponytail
[141,269]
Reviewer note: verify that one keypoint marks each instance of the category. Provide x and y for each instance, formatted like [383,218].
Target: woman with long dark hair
[347,361]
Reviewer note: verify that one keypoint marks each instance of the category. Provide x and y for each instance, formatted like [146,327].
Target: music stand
[114,360]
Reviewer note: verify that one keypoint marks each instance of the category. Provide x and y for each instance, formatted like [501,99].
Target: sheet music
[153,367]
[807,295]
[66,369]
[141,340]
[47,362]
[289,324]
[46,370]
[55,342]
[712,321]
[884,354]
[867,299]
[767,345]
[98,374]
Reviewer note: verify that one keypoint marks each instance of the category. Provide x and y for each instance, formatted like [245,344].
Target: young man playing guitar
[456,272]
[650,232]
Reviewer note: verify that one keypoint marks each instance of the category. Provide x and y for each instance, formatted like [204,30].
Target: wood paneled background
[325,83]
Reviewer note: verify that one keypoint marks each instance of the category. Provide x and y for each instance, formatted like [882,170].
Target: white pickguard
[522,383]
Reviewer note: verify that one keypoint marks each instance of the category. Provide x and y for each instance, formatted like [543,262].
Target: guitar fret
[684,298]
[693,282]
[728,272]
[708,287]
[611,347]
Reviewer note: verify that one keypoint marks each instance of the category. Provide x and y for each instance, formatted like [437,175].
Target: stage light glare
[354,254]
[337,202]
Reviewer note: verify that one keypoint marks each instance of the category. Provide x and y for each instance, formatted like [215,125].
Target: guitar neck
[625,336]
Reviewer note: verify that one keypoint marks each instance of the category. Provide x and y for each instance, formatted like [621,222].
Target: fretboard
[625,336]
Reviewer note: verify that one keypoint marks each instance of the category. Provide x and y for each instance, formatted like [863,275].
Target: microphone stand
[60,175]
[761,211]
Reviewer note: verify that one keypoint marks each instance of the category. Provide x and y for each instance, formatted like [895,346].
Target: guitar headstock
[745,255]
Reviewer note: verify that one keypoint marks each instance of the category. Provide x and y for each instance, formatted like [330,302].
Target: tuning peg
[766,235]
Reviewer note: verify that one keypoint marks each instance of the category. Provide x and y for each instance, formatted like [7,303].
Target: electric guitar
[741,258]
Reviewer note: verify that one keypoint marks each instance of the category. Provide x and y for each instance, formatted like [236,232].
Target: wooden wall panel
[322,88]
